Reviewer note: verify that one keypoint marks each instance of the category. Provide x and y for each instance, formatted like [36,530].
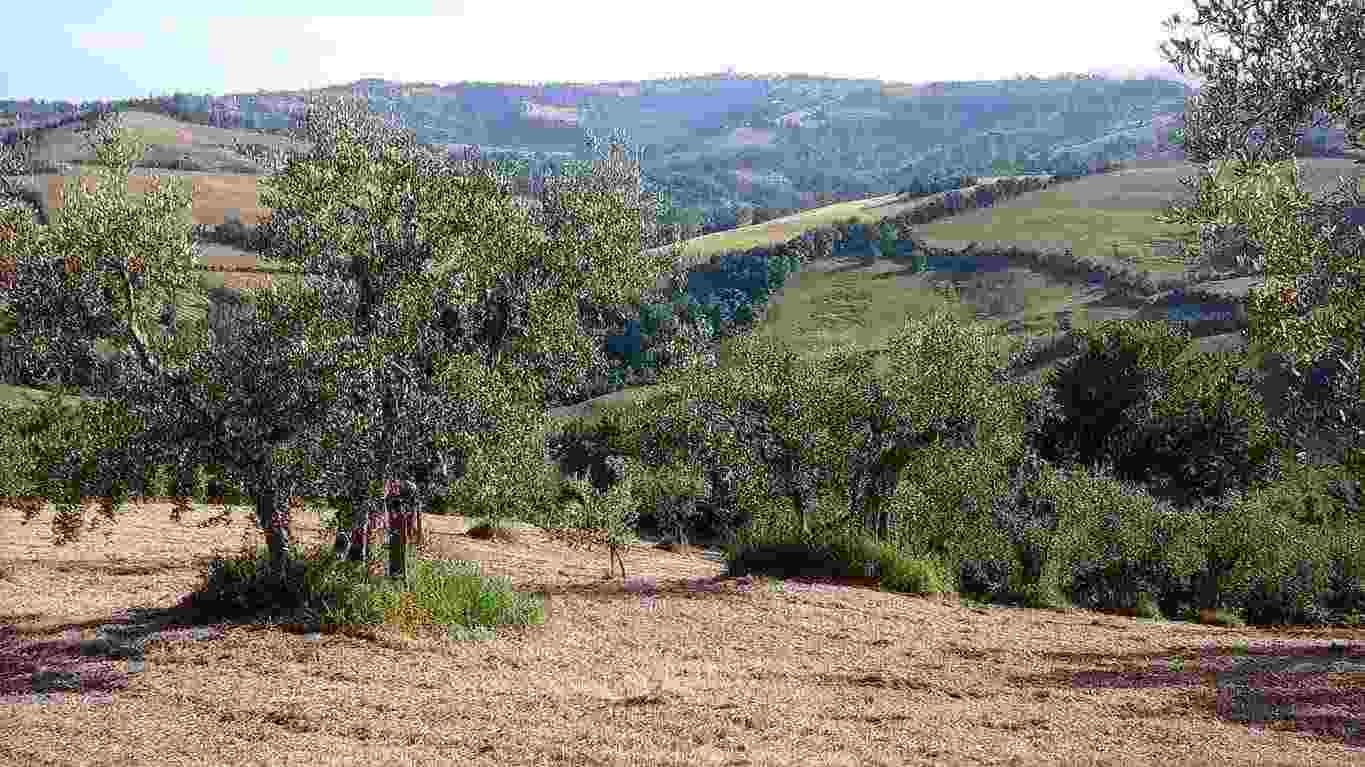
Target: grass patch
[339,597]
[782,229]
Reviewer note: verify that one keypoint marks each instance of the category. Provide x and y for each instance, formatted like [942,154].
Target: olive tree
[466,303]
[211,409]
[789,425]
[106,269]
[1297,55]
[1292,56]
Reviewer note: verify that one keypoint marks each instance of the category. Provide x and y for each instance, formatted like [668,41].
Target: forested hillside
[734,149]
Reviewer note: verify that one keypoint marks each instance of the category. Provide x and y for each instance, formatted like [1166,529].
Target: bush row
[1150,480]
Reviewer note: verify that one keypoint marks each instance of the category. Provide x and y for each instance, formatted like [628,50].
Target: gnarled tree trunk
[272,516]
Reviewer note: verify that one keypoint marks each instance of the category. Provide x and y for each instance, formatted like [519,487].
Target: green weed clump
[337,595]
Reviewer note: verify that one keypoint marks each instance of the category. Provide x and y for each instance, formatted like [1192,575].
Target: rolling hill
[717,143]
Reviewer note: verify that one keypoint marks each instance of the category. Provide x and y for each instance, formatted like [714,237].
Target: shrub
[227,491]
[1205,438]
[653,316]
[1110,583]
[587,448]
[1346,584]
[1028,514]
[1293,599]
[1276,583]
[488,530]
[1122,367]
[914,575]
[236,588]
[788,559]
[985,578]
[1136,550]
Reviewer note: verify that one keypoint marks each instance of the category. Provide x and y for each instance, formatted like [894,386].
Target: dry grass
[676,665]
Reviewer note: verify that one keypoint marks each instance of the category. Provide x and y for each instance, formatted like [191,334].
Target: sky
[83,50]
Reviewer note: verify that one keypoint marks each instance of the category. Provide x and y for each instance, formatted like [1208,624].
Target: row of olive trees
[788,426]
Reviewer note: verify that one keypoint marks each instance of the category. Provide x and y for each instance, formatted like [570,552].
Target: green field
[1091,213]
[1104,215]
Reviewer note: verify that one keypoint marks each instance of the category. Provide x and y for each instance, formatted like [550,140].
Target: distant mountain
[716,143]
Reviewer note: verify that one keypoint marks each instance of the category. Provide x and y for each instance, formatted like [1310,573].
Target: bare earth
[677,665]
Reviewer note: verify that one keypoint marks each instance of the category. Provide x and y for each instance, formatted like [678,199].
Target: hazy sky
[80,50]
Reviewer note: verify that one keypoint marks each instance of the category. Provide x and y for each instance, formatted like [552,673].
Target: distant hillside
[716,144]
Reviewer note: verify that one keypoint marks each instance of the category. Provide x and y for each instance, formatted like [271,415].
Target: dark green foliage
[194,485]
[1122,368]
[1346,587]
[1215,441]
[1028,520]
[68,359]
[231,591]
[587,450]
[778,269]
[1194,455]
[255,239]
[218,486]
[1112,583]
[886,239]
[1338,502]
[718,292]
[581,449]
[153,480]
[1289,600]
[983,578]
[1135,558]
[1322,396]
[715,519]
[789,560]
[885,445]
[652,316]
[729,310]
